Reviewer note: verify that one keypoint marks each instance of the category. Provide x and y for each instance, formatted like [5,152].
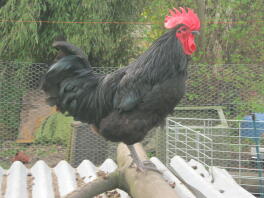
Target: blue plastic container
[248,127]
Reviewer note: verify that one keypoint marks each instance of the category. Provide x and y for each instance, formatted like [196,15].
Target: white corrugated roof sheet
[189,179]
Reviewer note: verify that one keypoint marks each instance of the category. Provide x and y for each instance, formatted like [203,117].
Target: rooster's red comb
[177,17]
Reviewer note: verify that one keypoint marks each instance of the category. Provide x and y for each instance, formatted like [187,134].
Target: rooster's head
[187,25]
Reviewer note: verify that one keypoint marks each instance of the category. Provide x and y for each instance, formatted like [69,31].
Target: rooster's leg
[141,166]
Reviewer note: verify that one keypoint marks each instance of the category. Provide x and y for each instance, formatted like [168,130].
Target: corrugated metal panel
[42,175]
[190,179]
[41,181]
[217,183]
[16,183]
[181,190]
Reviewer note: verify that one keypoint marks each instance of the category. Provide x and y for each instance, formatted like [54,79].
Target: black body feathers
[127,103]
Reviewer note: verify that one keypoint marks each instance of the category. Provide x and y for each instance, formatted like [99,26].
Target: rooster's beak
[196,32]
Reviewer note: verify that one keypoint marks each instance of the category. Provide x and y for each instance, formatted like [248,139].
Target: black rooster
[126,104]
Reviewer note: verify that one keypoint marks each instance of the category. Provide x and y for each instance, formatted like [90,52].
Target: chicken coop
[206,126]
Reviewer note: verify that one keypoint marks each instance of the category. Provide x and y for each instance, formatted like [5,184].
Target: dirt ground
[51,154]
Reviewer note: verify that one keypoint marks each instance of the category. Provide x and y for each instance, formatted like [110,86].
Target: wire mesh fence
[229,144]
[27,124]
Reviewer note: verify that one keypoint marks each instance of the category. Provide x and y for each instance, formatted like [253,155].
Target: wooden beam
[148,184]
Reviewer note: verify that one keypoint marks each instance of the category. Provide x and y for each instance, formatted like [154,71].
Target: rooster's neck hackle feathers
[163,59]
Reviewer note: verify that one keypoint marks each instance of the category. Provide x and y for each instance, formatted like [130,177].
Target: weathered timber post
[148,184]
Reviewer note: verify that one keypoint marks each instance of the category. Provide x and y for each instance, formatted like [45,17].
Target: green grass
[56,129]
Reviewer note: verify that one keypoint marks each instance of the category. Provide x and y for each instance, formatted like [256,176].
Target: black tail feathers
[64,82]
[67,49]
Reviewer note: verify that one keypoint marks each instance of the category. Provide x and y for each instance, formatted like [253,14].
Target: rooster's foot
[141,166]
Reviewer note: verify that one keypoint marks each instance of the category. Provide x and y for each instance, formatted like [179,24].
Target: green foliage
[56,129]
[105,44]
[223,42]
